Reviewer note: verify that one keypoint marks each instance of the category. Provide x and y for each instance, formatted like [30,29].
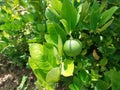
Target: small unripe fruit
[72,47]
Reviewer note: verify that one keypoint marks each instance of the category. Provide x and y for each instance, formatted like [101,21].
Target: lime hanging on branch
[72,47]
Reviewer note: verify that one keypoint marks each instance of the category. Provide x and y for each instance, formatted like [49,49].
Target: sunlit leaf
[85,9]
[65,24]
[57,5]
[36,51]
[39,56]
[69,13]
[60,46]
[53,75]
[67,68]
[16,2]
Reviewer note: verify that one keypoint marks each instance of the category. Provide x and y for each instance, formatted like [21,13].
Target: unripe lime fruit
[72,47]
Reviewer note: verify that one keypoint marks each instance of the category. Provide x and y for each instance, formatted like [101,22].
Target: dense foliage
[39,29]
[20,23]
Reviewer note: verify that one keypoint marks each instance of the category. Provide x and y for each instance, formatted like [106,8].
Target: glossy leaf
[57,5]
[60,46]
[53,31]
[65,24]
[36,51]
[106,15]
[104,27]
[41,80]
[53,10]
[69,13]
[51,14]
[37,71]
[52,36]
[39,56]
[84,76]
[94,16]
[53,75]
[73,87]
[67,68]
[85,9]
[60,31]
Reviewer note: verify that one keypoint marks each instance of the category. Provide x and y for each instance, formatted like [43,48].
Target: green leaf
[36,51]
[84,14]
[32,64]
[49,40]
[42,56]
[37,71]
[52,36]
[78,1]
[67,68]
[104,27]
[53,75]
[101,85]
[60,32]
[103,61]
[53,31]
[52,15]
[65,24]
[77,84]
[16,2]
[60,46]
[53,11]
[79,12]
[40,74]
[73,87]
[94,75]
[115,78]
[38,85]
[24,79]
[106,15]
[49,56]
[103,5]
[3,45]
[85,10]
[83,75]
[94,15]
[43,63]
[12,26]
[41,78]
[57,5]
[37,4]
[69,13]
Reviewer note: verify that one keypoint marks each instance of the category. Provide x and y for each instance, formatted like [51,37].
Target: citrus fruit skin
[72,47]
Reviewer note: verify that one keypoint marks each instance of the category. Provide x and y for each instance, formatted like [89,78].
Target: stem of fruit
[70,35]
